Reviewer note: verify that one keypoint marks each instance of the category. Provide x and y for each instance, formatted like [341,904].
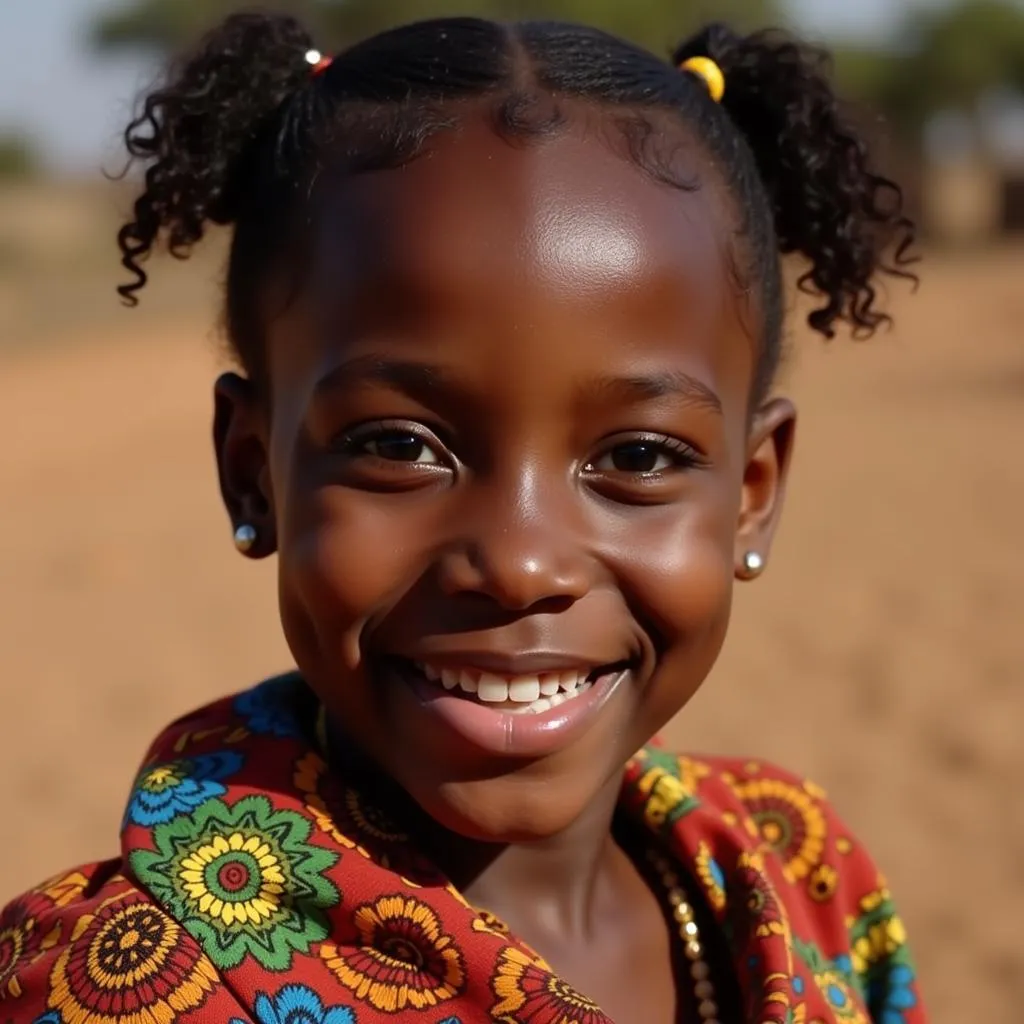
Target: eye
[397,446]
[638,457]
[645,456]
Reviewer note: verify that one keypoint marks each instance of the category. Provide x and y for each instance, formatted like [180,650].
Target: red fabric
[254,885]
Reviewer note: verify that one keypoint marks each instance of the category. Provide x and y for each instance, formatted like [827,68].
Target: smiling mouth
[528,694]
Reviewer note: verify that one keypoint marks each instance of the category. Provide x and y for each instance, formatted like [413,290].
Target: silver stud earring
[753,565]
[245,537]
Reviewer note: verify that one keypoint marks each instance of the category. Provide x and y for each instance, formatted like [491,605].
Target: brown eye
[399,446]
[636,457]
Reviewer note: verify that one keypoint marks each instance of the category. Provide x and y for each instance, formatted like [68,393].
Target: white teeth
[524,690]
[549,684]
[569,681]
[526,694]
[547,703]
[492,689]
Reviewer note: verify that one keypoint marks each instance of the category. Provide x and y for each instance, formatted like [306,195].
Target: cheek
[689,596]
[679,583]
[342,563]
[679,571]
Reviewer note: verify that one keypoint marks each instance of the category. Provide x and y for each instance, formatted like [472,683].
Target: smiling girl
[507,303]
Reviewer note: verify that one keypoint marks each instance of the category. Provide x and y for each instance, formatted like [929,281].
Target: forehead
[573,202]
[563,235]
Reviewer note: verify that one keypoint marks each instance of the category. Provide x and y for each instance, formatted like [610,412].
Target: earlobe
[764,485]
[241,448]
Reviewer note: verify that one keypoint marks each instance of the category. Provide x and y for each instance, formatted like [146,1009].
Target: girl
[507,304]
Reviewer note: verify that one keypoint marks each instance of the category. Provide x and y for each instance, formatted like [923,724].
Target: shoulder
[789,815]
[788,851]
[69,943]
[793,826]
[37,926]
[281,707]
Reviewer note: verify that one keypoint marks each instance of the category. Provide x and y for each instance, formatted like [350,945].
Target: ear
[764,484]
[240,443]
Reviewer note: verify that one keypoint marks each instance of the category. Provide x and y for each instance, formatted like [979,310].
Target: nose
[518,551]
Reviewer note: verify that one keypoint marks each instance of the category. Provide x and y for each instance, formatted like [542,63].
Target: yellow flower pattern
[292,893]
[268,887]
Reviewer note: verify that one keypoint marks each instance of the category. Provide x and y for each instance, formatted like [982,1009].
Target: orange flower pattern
[403,959]
[809,924]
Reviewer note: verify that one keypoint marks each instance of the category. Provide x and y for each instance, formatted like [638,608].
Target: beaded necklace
[689,932]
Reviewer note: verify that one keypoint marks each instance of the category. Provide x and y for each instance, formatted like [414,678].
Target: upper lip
[520,664]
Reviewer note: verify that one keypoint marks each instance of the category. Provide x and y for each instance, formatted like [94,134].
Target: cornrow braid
[242,128]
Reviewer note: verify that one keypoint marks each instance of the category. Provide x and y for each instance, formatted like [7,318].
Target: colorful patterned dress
[255,886]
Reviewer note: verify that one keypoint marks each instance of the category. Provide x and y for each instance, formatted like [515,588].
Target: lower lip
[492,731]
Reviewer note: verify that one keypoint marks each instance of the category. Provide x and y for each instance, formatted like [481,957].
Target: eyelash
[682,455]
[353,444]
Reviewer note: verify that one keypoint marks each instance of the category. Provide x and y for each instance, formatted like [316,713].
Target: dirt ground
[883,653]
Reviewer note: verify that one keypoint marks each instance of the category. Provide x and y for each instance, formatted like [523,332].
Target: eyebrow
[418,378]
[646,387]
[403,375]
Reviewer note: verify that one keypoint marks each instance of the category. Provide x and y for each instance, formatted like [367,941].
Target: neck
[552,886]
[558,885]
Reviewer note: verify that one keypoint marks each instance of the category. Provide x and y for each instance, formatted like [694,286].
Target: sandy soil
[883,653]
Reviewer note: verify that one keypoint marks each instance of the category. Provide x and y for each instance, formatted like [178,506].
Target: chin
[514,808]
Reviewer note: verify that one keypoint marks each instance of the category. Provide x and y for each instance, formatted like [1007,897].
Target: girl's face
[510,469]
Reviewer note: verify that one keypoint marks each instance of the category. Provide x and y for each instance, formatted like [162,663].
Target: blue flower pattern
[269,709]
[717,875]
[163,792]
[297,1004]
[897,995]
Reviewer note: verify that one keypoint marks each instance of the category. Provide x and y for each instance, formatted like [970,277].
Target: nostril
[552,605]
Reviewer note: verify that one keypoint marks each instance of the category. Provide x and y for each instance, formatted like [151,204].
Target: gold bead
[700,971]
[689,932]
[683,913]
[703,989]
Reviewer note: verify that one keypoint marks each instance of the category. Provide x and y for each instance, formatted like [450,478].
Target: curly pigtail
[194,132]
[828,203]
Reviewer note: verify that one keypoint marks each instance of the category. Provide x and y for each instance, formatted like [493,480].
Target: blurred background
[883,653]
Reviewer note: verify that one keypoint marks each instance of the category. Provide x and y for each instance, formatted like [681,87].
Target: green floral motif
[668,791]
[242,879]
[880,958]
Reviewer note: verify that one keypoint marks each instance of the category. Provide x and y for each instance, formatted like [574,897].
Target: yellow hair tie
[710,72]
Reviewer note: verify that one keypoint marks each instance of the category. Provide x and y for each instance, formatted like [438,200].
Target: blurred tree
[944,59]
[18,158]
[166,25]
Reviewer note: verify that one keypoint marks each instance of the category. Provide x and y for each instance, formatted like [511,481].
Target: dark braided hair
[243,128]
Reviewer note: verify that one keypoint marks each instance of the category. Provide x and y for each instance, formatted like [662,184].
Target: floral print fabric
[255,887]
